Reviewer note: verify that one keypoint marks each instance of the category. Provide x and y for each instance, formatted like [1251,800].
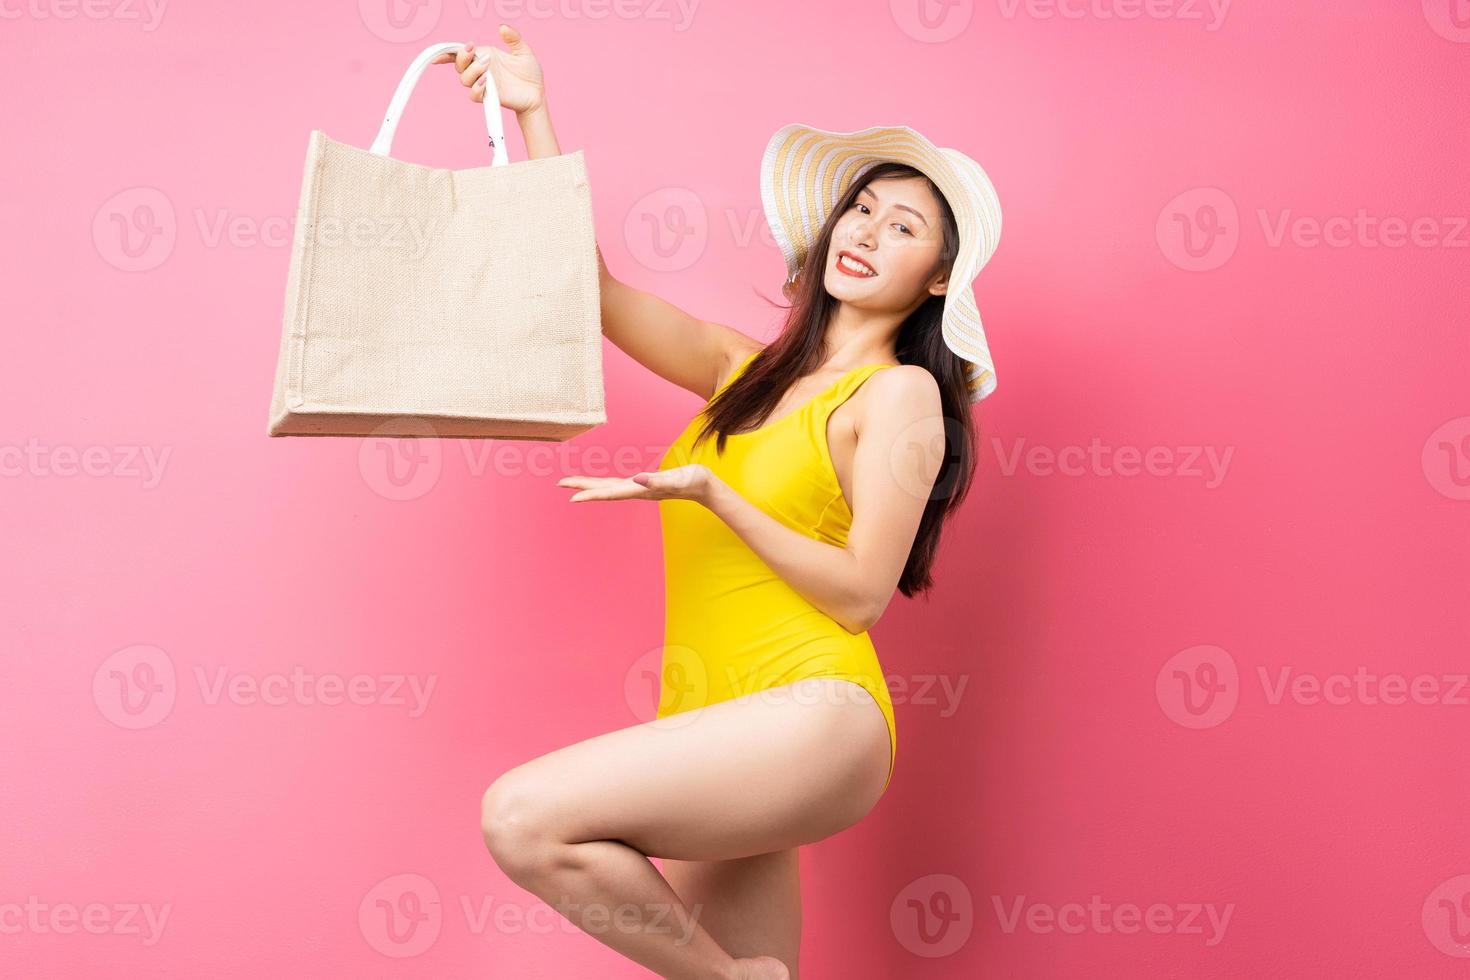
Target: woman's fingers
[603,488]
[463,58]
[472,74]
[471,70]
[587,482]
[513,39]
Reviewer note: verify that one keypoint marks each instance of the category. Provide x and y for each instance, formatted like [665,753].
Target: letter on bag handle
[494,120]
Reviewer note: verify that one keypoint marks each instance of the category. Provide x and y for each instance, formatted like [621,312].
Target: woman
[814,482]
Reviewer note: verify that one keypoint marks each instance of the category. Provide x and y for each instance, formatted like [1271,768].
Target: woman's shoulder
[901,393]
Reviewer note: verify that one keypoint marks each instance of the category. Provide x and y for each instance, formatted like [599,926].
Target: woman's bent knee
[513,821]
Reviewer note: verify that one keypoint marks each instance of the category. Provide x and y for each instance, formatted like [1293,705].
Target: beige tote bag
[428,302]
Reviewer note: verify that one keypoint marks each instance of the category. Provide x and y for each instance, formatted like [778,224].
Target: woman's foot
[761,968]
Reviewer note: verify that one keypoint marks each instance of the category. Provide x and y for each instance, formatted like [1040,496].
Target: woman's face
[893,232]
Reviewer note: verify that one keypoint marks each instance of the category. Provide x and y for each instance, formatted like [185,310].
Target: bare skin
[752,906]
[724,795]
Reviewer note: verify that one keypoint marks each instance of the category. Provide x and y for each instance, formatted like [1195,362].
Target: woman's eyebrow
[901,207]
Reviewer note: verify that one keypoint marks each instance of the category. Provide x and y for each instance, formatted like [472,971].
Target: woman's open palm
[689,482]
[516,72]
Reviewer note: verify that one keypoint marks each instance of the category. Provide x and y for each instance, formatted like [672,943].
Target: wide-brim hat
[805,170]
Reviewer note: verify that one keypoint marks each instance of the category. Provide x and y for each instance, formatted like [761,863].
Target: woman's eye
[905,228]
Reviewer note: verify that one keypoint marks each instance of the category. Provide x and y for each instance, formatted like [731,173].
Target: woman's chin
[845,289]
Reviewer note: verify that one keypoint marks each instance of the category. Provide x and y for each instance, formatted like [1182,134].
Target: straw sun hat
[805,170]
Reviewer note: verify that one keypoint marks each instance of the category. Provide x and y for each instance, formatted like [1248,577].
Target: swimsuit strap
[839,388]
[846,385]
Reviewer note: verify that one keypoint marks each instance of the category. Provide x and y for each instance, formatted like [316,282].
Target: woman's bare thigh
[763,772]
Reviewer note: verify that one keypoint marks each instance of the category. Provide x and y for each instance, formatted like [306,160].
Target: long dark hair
[800,348]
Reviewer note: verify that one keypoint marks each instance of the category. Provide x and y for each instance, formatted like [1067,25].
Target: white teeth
[855,266]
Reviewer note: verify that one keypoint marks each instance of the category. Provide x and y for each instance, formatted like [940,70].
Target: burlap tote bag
[429,302]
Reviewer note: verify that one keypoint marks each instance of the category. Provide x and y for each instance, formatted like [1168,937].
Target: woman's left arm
[900,447]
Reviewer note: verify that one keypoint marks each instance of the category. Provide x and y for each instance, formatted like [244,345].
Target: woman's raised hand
[693,481]
[516,73]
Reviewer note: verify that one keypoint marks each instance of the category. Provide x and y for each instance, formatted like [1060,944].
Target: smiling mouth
[855,267]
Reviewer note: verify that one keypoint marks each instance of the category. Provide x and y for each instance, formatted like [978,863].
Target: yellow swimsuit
[732,625]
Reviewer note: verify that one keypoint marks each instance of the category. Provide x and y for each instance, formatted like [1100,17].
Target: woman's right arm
[694,354]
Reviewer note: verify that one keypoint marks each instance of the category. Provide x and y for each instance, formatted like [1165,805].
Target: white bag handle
[494,120]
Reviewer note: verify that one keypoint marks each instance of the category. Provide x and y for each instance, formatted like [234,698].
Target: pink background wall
[1112,637]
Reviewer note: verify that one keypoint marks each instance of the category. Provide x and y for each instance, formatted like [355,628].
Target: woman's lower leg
[748,776]
[614,894]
